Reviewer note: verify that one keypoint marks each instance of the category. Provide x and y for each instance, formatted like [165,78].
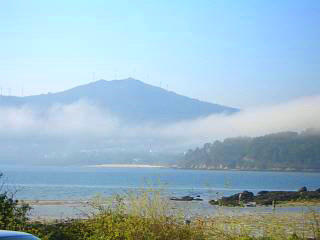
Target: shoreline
[124,166]
[249,170]
[111,165]
[54,202]
[48,210]
[284,204]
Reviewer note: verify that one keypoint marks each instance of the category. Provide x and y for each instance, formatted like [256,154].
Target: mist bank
[82,132]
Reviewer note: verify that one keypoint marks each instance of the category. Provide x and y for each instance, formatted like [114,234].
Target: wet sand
[54,202]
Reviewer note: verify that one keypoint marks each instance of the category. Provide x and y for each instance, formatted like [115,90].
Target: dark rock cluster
[187,198]
[267,197]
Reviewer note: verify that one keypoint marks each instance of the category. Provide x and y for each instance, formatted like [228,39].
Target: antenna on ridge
[22,90]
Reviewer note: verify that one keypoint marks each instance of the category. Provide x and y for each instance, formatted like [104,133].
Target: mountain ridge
[130,99]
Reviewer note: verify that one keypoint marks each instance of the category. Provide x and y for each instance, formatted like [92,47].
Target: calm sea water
[81,183]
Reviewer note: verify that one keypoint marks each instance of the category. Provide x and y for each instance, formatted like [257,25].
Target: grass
[299,203]
[265,226]
[136,216]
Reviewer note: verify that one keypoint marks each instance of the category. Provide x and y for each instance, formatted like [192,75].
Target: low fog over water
[29,133]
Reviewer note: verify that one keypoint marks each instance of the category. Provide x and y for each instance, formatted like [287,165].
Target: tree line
[279,151]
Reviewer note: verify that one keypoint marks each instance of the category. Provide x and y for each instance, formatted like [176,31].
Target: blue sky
[238,53]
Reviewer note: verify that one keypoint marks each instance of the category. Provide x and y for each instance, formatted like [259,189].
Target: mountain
[131,100]
[280,151]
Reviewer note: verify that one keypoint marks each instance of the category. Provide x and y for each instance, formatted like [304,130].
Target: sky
[244,54]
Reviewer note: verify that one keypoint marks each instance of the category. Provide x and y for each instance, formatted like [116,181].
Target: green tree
[13,215]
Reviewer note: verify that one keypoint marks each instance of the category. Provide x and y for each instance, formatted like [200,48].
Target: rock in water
[303,189]
[186,199]
[247,196]
[262,192]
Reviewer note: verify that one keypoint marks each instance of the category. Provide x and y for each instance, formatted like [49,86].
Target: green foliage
[12,214]
[286,150]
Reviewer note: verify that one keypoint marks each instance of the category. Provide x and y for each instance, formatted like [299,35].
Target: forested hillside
[281,151]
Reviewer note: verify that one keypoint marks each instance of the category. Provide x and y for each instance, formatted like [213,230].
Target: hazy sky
[239,53]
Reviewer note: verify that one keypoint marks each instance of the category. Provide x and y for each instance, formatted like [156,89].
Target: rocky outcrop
[267,197]
[234,200]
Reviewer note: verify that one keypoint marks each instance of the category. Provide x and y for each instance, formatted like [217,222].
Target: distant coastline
[200,168]
[248,169]
[124,166]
